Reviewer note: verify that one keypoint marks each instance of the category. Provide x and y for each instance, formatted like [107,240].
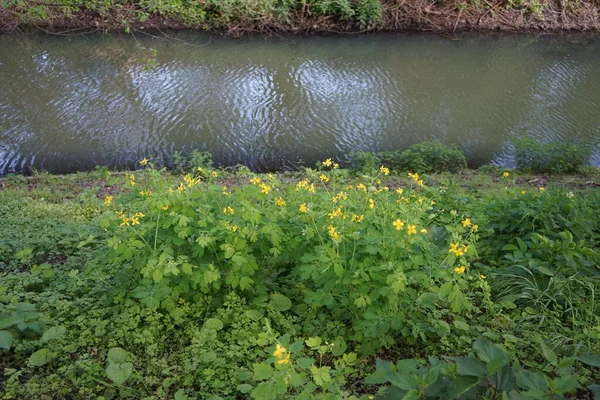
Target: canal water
[70,104]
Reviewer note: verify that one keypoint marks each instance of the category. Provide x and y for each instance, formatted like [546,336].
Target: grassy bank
[237,17]
[215,284]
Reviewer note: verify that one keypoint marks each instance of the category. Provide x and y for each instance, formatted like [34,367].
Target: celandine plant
[369,261]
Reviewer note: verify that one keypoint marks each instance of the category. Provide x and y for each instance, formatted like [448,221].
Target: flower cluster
[133,220]
[457,249]
[283,357]
[416,178]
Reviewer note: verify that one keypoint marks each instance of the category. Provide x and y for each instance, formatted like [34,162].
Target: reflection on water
[71,104]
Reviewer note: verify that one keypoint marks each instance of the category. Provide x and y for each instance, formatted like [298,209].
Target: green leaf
[41,357]
[117,355]
[6,340]
[305,362]
[403,381]
[262,371]
[463,326]
[214,324]
[313,341]
[490,353]
[54,333]
[119,373]
[532,380]
[412,394]
[460,385]
[549,354]
[470,366]
[280,303]
[566,383]
[408,365]
[244,388]
[593,360]
[338,269]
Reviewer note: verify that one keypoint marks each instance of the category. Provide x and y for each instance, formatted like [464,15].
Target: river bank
[236,18]
[221,284]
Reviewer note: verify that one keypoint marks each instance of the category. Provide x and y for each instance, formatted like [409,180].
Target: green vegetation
[553,158]
[240,16]
[321,284]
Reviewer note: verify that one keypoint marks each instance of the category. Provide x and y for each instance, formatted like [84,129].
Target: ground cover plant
[215,284]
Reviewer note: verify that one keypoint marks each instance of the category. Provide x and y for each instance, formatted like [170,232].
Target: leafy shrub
[425,157]
[490,374]
[352,252]
[552,158]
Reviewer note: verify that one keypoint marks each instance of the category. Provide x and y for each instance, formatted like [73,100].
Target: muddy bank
[302,17]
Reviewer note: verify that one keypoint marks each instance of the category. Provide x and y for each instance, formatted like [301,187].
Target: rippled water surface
[70,104]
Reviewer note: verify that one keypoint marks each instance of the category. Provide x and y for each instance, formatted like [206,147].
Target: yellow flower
[482,276]
[215,174]
[280,202]
[324,178]
[378,181]
[279,351]
[303,184]
[228,211]
[399,190]
[506,174]
[231,228]
[303,208]
[384,170]
[165,207]
[420,182]
[456,250]
[542,189]
[423,231]
[131,179]
[108,200]
[180,188]
[312,188]
[466,222]
[570,195]
[145,193]
[336,213]
[170,191]
[255,181]
[144,161]
[327,162]
[357,218]
[460,270]
[412,229]
[398,224]
[264,188]
[199,169]
[336,165]
[475,227]
[523,192]
[371,203]
[333,233]
[285,360]
[361,186]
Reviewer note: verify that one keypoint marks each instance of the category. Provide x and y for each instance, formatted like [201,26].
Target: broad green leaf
[244,388]
[460,385]
[6,340]
[593,360]
[403,381]
[41,357]
[566,383]
[117,355]
[408,365]
[490,353]
[262,371]
[280,303]
[412,394]
[504,379]
[549,353]
[470,366]
[214,324]
[463,326]
[119,373]
[305,362]
[532,380]
[54,333]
